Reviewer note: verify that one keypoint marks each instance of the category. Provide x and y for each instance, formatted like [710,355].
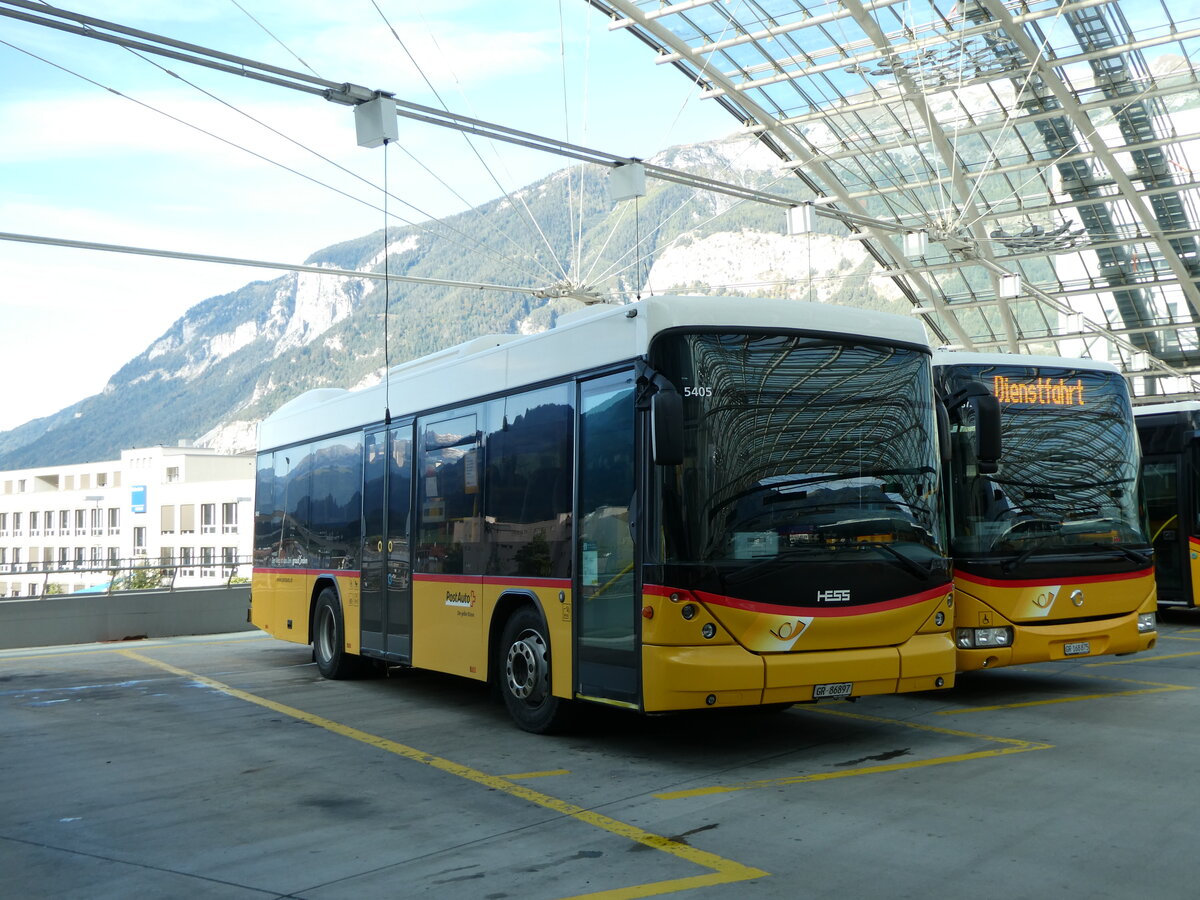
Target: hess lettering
[841,596]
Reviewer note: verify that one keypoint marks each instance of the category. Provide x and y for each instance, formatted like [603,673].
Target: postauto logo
[460,598]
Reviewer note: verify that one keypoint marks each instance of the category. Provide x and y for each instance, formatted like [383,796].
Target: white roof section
[1160,408]
[948,358]
[593,338]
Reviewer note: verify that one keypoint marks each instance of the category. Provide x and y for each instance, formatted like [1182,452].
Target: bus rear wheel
[523,669]
[329,638]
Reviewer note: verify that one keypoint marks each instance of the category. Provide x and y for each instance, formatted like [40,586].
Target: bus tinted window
[292,476]
[1069,469]
[335,506]
[528,484]
[266,511]
[800,449]
[450,508]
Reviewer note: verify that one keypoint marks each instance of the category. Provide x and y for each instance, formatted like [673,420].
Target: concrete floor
[225,767]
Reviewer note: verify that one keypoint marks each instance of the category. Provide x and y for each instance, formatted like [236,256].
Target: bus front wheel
[329,638]
[523,668]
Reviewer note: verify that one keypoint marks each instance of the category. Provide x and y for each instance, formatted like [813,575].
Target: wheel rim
[527,668]
[325,634]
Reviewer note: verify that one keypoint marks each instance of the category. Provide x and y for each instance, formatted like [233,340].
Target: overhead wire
[514,200]
[272,35]
[148,106]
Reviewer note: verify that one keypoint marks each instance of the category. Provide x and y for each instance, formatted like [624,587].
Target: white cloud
[80,162]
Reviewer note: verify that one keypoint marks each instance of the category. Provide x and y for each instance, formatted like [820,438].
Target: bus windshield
[800,449]
[1068,476]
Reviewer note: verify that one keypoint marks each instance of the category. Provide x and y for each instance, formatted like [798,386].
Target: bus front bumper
[678,678]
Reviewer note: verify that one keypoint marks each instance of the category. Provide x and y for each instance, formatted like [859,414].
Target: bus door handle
[379,547]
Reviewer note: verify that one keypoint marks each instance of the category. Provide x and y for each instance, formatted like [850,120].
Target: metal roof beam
[910,280]
[1107,156]
[937,27]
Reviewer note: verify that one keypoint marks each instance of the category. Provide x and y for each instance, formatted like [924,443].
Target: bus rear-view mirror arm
[987,423]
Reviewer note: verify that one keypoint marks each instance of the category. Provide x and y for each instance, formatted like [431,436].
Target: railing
[134,574]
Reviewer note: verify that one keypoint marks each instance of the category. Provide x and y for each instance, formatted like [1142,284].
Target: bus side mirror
[666,427]
[987,432]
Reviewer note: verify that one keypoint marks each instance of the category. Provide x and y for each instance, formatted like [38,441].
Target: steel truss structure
[1046,139]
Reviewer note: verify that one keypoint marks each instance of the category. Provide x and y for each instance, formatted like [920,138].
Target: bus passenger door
[606,589]
[1163,488]
[386,580]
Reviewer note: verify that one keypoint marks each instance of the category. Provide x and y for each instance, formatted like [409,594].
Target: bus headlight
[974,638]
[1146,623]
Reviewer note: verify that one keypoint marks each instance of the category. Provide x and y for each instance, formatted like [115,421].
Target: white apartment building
[185,509]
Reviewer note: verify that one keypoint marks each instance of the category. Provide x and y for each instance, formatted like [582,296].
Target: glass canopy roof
[970,142]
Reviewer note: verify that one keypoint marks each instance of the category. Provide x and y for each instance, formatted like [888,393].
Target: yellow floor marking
[1072,699]
[122,646]
[521,775]
[1014,746]
[1177,637]
[1150,687]
[1142,658]
[1154,684]
[725,871]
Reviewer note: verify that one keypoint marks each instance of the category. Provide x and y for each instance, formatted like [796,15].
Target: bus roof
[580,341]
[1157,409]
[972,358]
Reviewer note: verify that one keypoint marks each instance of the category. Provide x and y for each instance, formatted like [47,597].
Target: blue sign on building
[139,498]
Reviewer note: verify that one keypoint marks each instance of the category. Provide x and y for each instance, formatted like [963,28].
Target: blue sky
[79,162]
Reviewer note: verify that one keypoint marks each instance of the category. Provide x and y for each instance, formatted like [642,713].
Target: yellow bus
[681,503]
[1051,557]
[1170,463]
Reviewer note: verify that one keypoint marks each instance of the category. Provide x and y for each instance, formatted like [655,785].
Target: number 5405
[697,392]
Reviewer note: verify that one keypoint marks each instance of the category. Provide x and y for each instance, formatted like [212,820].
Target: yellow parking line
[122,646]
[724,871]
[1153,684]
[523,775]
[1073,699]
[1014,746]
[1142,658]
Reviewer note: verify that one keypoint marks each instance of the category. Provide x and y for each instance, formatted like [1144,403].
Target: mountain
[232,359]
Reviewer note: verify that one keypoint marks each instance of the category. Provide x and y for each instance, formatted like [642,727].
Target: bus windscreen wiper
[919,569]
[798,480]
[1019,559]
[759,565]
[1129,552]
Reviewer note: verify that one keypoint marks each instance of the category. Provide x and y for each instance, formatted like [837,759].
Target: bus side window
[528,484]
[450,505]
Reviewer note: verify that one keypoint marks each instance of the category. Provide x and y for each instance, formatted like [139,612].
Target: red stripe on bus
[824,611]
[496,580]
[491,580]
[336,573]
[1047,582]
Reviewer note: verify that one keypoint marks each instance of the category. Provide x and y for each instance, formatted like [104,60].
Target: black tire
[329,638]
[523,674]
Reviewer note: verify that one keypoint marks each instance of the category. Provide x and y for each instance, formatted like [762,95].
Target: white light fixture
[915,244]
[375,122]
[800,219]
[1010,286]
[627,182]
